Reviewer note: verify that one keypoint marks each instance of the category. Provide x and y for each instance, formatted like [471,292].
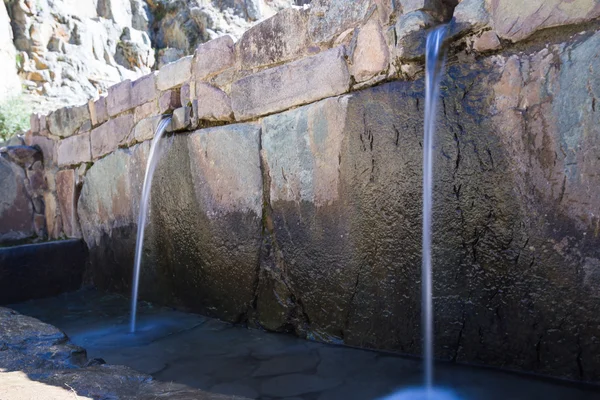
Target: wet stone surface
[186,352]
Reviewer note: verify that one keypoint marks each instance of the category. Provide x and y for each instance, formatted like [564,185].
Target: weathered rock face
[16,209]
[515,217]
[184,24]
[207,198]
[10,83]
[70,51]
[108,207]
[305,224]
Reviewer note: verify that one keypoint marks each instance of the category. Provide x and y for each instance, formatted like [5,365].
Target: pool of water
[222,358]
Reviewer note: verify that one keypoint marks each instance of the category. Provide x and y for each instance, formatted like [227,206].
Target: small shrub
[14,116]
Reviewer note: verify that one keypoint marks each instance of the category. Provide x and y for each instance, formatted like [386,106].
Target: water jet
[153,159]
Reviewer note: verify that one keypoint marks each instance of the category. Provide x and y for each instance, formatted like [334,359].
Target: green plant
[14,116]
[19,60]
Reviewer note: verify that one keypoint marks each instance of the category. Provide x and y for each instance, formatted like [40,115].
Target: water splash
[153,158]
[434,57]
[420,393]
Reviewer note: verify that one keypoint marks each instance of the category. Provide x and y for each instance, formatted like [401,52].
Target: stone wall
[68,51]
[288,196]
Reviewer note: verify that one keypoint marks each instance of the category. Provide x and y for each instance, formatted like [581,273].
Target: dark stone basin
[35,271]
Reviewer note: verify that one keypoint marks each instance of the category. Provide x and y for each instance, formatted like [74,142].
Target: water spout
[153,158]
[434,58]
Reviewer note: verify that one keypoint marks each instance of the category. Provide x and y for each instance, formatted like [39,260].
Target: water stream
[434,59]
[153,158]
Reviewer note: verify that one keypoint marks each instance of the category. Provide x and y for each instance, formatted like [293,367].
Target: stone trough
[288,199]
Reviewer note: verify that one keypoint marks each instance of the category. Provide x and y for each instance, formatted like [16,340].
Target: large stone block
[371,56]
[107,209]
[169,101]
[143,90]
[174,74]
[52,215]
[411,35]
[66,121]
[110,195]
[107,137]
[34,123]
[66,192]
[213,103]
[213,57]
[329,18]
[438,8]
[98,111]
[471,15]
[146,110]
[296,83]
[74,150]
[16,209]
[208,185]
[48,148]
[220,194]
[181,120]
[281,38]
[302,150]
[144,130]
[119,98]
[516,20]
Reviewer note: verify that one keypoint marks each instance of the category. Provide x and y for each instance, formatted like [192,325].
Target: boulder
[488,41]
[24,156]
[134,50]
[116,10]
[440,9]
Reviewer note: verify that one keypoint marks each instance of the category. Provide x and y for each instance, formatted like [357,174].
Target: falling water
[434,58]
[150,168]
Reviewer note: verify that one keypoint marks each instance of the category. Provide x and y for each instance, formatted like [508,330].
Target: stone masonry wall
[289,197]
